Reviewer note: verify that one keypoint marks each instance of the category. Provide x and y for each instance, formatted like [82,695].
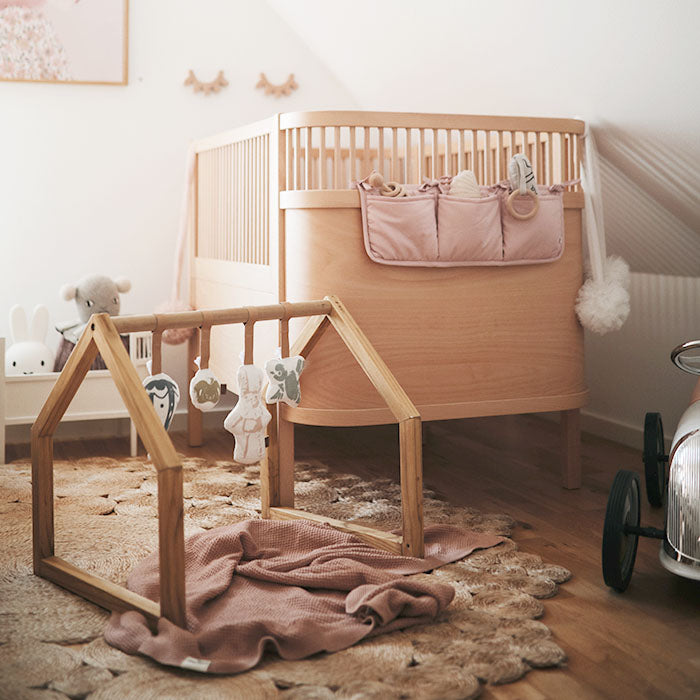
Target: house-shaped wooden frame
[102,335]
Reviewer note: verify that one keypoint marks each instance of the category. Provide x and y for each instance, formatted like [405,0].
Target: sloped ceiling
[631,69]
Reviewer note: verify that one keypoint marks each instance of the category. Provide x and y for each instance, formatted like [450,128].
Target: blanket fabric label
[192,664]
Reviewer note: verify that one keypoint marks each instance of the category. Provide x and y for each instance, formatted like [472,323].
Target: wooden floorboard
[644,643]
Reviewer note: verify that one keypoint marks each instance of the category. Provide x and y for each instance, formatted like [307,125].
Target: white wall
[91,176]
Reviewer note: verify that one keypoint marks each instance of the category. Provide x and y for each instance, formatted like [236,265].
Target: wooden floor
[644,643]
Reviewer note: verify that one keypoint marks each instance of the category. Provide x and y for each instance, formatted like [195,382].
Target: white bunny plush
[28,354]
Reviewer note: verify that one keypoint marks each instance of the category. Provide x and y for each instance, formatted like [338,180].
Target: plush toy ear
[18,324]
[68,291]
[123,284]
[39,324]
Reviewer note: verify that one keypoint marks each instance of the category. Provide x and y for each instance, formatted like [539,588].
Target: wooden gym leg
[571,448]
[410,446]
[42,499]
[270,467]
[171,546]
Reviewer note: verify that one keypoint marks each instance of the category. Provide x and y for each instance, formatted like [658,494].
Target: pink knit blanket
[295,587]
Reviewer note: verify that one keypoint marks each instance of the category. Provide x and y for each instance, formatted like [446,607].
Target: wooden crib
[275,218]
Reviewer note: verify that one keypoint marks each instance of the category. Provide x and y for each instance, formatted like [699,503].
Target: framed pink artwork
[64,41]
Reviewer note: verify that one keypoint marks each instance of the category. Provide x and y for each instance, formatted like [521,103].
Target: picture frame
[64,41]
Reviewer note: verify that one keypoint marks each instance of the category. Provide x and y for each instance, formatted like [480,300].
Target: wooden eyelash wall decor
[207,88]
[278,90]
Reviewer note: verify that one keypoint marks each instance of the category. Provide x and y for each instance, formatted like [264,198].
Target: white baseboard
[602,426]
[617,431]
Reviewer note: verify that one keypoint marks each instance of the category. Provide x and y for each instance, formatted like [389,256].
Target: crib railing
[330,150]
[233,194]
[240,173]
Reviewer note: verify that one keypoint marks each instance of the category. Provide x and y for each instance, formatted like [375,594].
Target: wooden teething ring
[515,214]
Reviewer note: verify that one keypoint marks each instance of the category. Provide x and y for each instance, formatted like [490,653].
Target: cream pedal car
[680,551]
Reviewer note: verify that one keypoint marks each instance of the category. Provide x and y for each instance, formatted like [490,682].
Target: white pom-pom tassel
[604,305]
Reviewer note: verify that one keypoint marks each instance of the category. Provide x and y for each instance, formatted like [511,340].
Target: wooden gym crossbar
[101,335]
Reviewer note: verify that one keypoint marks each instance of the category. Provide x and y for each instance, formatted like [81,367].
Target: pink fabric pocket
[469,230]
[401,229]
[539,239]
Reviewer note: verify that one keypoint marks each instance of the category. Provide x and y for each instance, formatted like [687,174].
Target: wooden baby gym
[102,336]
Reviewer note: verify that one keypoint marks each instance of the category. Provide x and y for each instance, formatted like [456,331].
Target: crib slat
[289,185]
[353,154]
[488,171]
[337,164]
[255,204]
[395,154]
[322,165]
[476,161]
[308,160]
[579,155]
[408,158]
[212,209]
[297,159]
[366,165]
[239,203]
[262,187]
[250,156]
[572,156]
[229,238]
[562,158]
[460,155]
[255,208]
[244,200]
[380,153]
[435,164]
[421,155]
[448,152]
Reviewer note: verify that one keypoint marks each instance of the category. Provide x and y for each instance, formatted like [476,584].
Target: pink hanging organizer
[431,228]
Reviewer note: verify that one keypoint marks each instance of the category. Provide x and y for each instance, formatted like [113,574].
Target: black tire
[620,548]
[654,459]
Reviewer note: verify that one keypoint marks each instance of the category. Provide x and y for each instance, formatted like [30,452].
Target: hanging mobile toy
[205,389]
[160,387]
[283,374]
[248,421]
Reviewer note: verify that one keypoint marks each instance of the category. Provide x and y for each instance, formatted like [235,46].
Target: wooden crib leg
[133,439]
[194,416]
[571,448]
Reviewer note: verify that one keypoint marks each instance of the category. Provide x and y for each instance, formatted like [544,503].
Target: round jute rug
[51,643]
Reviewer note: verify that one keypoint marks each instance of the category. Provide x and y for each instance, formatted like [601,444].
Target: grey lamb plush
[94,294]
